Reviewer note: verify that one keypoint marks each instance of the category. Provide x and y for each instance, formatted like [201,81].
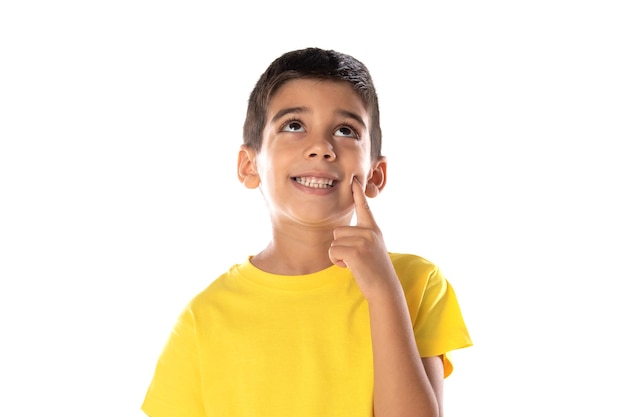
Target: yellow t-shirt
[259,344]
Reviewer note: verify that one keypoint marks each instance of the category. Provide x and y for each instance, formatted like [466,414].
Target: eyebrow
[345,113]
[280,113]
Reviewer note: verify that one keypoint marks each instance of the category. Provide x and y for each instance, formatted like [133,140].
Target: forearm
[401,385]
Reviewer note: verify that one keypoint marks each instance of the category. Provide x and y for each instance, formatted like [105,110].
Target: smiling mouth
[314,182]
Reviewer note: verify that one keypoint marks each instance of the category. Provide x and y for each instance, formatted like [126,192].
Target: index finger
[364,216]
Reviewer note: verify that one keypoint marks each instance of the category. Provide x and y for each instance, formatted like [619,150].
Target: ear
[246,167]
[377,179]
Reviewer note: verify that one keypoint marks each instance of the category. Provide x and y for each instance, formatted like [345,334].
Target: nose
[321,148]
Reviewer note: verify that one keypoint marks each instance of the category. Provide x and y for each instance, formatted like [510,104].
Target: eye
[292,126]
[347,131]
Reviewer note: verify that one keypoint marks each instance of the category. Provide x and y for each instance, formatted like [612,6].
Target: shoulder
[415,272]
[406,263]
[215,291]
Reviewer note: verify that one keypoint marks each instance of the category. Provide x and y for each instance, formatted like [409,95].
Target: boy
[324,321]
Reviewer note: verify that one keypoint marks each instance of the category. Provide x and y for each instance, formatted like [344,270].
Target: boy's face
[315,142]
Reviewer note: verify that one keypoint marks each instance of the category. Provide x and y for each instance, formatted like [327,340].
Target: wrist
[385,292]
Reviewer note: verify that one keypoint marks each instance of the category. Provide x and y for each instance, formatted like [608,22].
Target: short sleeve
[175,389]
[439,326]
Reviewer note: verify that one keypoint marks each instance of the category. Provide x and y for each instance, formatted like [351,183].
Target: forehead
[307,92]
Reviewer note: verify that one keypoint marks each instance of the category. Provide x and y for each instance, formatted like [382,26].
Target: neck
[295,253]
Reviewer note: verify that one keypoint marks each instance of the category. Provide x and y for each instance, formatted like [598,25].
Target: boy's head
[311,63]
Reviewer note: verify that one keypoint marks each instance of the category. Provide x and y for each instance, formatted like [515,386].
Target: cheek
[366,166]
[263,163]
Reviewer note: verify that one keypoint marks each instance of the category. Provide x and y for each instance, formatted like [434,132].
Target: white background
[503,122]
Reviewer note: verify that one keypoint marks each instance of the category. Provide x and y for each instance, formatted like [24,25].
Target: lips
[315,182]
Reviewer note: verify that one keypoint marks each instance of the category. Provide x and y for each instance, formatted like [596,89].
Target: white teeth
[314,182]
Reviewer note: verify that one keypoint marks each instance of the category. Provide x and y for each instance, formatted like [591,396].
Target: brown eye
[346,131]
[293,126]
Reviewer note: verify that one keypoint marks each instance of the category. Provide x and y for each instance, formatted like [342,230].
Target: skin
[318,130]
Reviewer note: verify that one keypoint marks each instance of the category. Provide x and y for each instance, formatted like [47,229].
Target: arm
[404,384]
